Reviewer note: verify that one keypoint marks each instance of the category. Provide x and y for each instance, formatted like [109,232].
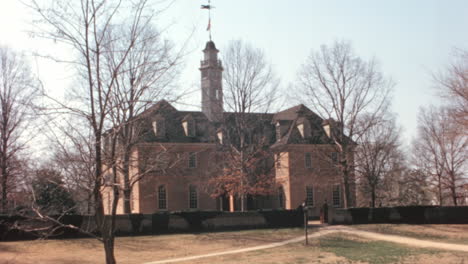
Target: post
[304,209]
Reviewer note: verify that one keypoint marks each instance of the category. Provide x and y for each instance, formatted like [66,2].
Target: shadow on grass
[4,247]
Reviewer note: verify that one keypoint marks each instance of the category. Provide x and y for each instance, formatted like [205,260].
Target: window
[281,197]
[278,131]
[308,160]
[309,196]
[216,94]
[159,128]
[300,127]
[189,128]
[336,196]
[220,137]
[162,197]
[193,197]
[334,156]
[192,162]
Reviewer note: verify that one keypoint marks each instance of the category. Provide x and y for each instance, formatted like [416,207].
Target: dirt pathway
[328,230]
[405,240]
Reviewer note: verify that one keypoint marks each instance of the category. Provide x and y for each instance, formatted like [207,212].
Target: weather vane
[209,7]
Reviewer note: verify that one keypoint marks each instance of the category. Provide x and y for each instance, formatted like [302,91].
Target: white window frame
[192,160]
[336,189]
[165,197]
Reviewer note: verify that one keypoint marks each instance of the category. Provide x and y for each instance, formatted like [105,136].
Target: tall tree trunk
[103,225]
[373,196]
[4,190]
[127,192]
[4,162]
[109,250]
[439,186]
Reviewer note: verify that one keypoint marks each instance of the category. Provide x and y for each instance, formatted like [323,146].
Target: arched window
[281,197]
[162,197]
[193,197]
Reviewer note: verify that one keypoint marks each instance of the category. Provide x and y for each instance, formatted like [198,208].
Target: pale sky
[410,39]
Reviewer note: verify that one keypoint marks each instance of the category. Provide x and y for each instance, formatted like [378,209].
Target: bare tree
[18,88]
[441,152]
[73,156]
[146,76]
[250,89]
[87,28]
[453,85]
[414,188]
[339,85]
[377,157]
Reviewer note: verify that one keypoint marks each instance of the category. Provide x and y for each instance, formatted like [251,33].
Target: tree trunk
[373,196]
[109,250]
[127,192]
[440,190]
[4,169]
[103,226]
[454,195]
[4,190]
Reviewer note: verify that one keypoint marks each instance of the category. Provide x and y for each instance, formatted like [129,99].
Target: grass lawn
[332,248]
[341,248]
[441,233]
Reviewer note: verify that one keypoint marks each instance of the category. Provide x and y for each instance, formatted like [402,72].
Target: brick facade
[179,152]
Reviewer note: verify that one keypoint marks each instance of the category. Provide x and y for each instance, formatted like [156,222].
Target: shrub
[359,215]
[160,222]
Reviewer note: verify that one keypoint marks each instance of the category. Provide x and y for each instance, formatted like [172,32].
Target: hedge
[166,222]
[402,214]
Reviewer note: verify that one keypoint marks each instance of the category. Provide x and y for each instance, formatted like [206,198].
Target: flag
[209,25]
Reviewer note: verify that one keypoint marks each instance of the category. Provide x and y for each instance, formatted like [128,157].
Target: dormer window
[300,127]
[327,130]
[303,126]
[189,128]
[278,131]
[220,137]
[159,127]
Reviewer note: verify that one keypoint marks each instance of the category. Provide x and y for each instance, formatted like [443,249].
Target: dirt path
[328,230]
[405,240]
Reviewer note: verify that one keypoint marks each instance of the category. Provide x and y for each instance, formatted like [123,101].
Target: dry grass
[137,249]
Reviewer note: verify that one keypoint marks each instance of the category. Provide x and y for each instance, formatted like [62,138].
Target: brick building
[179,151]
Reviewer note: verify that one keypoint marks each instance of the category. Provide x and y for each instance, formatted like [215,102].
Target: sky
[410,39]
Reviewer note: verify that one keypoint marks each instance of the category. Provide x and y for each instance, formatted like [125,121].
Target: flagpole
[209,16]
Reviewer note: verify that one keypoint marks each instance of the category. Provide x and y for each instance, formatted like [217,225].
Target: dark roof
[210,45]
[205,131]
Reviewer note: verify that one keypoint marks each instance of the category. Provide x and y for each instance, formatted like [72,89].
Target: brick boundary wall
[400,215]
